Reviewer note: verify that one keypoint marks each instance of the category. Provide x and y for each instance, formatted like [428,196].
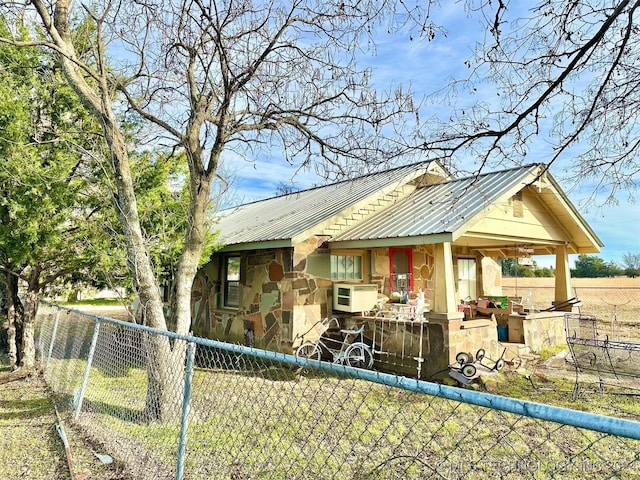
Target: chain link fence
[616,308]
[226,411]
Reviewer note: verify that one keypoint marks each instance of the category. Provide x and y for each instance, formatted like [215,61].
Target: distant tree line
[511,268]
[593,266]
[586,266]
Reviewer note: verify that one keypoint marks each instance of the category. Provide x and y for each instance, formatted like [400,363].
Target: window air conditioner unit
[354,297]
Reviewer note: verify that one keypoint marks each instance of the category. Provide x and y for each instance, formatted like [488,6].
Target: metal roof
[440,208]
[282,218]
[430,214]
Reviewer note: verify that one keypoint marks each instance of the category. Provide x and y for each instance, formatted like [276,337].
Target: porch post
[563,275]
[444,296]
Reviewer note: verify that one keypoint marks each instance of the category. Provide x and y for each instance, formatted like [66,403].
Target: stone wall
[278,298]
[471,335]
[284,292]
[544,329]
[205,297]
[423,265]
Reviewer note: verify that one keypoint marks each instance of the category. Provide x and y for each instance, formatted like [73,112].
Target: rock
[558,361]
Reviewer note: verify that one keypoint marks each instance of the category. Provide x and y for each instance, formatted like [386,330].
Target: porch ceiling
[505,247]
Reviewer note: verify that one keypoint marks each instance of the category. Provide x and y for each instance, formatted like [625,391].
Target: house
[412,229]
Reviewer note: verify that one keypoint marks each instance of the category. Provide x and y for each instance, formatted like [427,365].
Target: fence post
[85,378]
[186,400]
[53,339]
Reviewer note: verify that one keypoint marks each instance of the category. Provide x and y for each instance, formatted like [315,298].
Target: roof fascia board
[542,247]
[393,242]
[239,247]
[508,239]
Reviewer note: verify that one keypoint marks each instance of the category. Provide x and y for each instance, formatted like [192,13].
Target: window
[346,267]
[231,282]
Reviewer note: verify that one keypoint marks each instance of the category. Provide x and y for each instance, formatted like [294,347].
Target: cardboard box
[516,330]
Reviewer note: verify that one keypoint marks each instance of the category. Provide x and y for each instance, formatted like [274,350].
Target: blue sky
[427,67]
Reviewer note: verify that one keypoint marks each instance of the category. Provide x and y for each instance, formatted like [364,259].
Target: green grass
[547,352]
[30,445]
[98,302]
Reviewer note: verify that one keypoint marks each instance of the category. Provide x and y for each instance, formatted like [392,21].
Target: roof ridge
[528,166]
[310,189]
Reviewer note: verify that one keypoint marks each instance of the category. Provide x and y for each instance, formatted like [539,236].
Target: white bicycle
[350,350]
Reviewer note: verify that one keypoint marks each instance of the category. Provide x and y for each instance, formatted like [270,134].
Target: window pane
[233,268]
[232,282]
[467,278]
[232,295]
[346,267]
[357,267]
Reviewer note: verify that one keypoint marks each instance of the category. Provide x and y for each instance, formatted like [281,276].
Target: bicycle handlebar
[326,324]
[329,320]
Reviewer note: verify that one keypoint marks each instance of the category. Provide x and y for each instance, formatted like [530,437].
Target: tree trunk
[98,99]
[165,388]
[13,332]
[163,364]
[15,318]
[28,360]
[195,239]
[164,392]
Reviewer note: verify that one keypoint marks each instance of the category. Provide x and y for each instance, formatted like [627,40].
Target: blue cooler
[503,333]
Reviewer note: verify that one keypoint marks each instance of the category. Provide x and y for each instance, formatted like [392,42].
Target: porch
[423,345]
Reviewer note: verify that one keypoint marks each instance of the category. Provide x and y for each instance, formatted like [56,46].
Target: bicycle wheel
[308,350]
[359,355]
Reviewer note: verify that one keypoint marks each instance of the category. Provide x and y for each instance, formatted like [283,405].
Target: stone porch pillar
[444,292]
[563,275]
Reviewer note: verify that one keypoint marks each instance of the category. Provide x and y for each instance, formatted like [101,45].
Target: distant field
[575,282]
[614,301]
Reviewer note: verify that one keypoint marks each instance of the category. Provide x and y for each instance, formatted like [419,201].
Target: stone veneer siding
[278,292]
[274,286]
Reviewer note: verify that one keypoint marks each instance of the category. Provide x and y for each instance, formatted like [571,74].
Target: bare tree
[631,264]
[238,76]
[563,72]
